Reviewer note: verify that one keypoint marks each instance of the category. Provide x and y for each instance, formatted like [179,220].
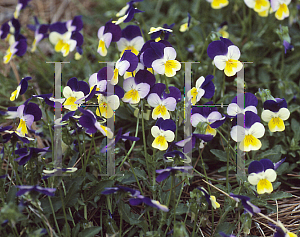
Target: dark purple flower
[26,188]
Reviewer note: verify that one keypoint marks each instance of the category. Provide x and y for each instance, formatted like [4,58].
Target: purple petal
[77,22]
[276,165]
[158,88]
[216,48]
[174,92]
[131,58]
[131,32]
[46,191]
[22,47]
[250,119]
[114,29]
[163,176]
[144,76]
[34,110]
[59,27]
[255,167]
[78,37]
[267,164]
[24,84]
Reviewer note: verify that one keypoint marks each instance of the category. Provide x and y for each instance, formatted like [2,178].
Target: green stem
[133,143]
[144,139]
[168,203]
[195,224]
[64,211]
[87,159]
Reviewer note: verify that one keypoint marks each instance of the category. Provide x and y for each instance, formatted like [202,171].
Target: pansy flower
[222,29]
[161,57]
[121,189]
[275,112]
[117,138]
[138,87]
[209,116]
[184,27]
[139,199]
[107,105]
[249,104]
[21,88]
[287,46]
[89,121]
[26,188]
[249,134]
[165,173]
[211,200]
[100,79]
[57,171]
[21,5]
[281,231]
[128,62]
[218,4]
[204,88]
[131,40]
[225,55]
[248,206]
[107,34]
[40,32]
[13,136]
[25,155]
[187,147]
[74,91]
[262,173]
[65,36]
[258,5]
[280,6]
[28,113]
[18,47]
[126,14]
[163,132]
[10,30]
[164,31]
[162,102]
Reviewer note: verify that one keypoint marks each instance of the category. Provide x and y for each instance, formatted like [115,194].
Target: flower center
[22,129]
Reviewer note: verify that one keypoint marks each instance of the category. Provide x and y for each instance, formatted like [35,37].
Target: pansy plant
[208,117]
[162,59]
[138,87]
[40,32]
[74,91]
[65,36]
[131,40]
[249,134]
[262,173]
[163,102]
[204,88]
[281,8]
[275,112]
[225,55]
[249,104]
[163,132]
[21,88]
[107,34]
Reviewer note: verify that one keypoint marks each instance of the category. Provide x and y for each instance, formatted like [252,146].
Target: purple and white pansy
[108,33]
[248,206]
[225,55]
[26,188]
[65,36]
[40,32]
[17,47]
[126,14]
[204,88]
[28,113]
[165,173]
[25,155]
[163,102]
[10,30]
[275,112]
[262,173]
[249,103]
[89,121]
[208,116]
[138,87]
[128,62]
[163,132]
[74,91]
[249,134]
[21,5]
[161,57]
[131,40]
[21,88]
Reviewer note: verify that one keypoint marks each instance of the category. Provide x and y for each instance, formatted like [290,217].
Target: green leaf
[219,154]
[296,129]
[90,232]
[279,195]
[181,209]
[129,217]
[225,227]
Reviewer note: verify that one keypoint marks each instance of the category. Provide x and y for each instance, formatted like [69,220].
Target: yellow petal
[101,48]
[13,95]
[160,111]
[210,130]
[250,143]
[59,45]
[22,128]
[264,186]
[70,104]
[160,143]
[282,12]
[132,96]
[217,4]
[171,66]
[261,5]
[231,67]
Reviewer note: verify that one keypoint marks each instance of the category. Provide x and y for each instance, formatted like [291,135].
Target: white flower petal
[169,103]
[155,131]
[159,66]
[270,175]
[129,84]
[220,61]
[283,113]
[93,80]
[197,118]
[122,67]
[237,133]
[67,92]
[113,101]
[143,89]
[200,81]
[233,52]
[213,116]
[169,135]
[257,130]
[254,178]
[169,53]
[100,32]
[153,100]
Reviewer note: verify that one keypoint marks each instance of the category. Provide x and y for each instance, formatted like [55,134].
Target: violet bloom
[163,102]
[26,188]
[107,34]
[25,155]
[20,6]
[139,199]
[21,88]
[126,14]
[40,32]
[209,116]
[250,103]
[89,121]
[28,113]
[164,173]
[249,207]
